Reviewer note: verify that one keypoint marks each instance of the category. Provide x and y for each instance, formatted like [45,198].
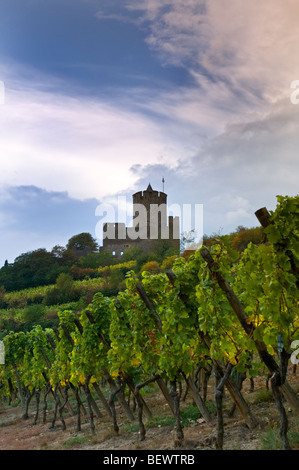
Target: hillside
[61,280]
[202,340]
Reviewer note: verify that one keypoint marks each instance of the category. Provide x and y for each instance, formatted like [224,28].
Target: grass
[263,396]
[157,421]
[129,427]
[189,415]
[74,441]
[270,439]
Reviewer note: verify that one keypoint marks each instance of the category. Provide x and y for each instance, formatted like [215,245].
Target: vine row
[219,311]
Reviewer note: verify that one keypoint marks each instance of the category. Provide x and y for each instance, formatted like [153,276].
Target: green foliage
[263,396]
[243,236]
[152,267]
[78,273]
[270,439]
[33,313]
[63,291]
[82,241]
[162,250]
[190,413]
[35,268]
[64,257]
[188,323]
[40,267]
[74,441]
[132,254]
[64,281]
[156,421]
[168,262]
[96,260]
[283,233]
[3,304]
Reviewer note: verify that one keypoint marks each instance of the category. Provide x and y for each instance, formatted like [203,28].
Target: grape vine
[218,311]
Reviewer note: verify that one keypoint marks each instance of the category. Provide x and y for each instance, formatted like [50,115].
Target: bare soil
[19,434]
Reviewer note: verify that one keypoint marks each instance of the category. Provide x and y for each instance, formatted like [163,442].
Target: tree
[33,313]
[163,248]
[31,269]
[243,236]
[132,253]
[2,297]
[83,242]
[63,256]
[63,291]
[187,241]
[95,260]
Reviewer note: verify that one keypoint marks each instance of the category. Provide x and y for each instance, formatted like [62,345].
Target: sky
[99,98]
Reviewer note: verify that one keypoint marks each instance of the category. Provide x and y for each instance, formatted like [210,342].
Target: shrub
[33,313]
[52,296]
[168,262]
[36,299]
[244,236]
[151,267]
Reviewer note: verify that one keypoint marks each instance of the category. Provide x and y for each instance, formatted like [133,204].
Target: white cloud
[84,145]
[239,171]
[242,62]
[237,215]
[227,139]
[247,47]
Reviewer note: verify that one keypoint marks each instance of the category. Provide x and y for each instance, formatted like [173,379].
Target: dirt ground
[19,434]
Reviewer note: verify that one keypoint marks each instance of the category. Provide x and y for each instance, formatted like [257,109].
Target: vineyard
[219,314]
[22,309]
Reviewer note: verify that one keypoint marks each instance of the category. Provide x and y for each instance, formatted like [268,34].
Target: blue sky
[103,97]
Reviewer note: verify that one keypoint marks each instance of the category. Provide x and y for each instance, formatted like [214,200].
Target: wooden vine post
[269,361]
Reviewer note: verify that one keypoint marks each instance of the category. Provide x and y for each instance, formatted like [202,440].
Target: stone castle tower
[151,226]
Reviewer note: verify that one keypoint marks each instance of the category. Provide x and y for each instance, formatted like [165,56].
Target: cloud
[237,172]
[241,59]
[226,137]
[240,46]
[54,140]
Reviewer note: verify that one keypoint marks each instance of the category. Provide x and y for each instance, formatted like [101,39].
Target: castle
[151,226]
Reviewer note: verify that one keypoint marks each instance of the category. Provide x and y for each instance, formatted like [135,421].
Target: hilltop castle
[151,226]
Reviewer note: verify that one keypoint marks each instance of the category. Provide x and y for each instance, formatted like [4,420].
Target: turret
[154,203]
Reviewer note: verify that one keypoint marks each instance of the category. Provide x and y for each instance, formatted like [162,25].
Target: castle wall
[150,225]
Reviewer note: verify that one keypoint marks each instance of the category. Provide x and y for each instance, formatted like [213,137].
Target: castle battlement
[150,195]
